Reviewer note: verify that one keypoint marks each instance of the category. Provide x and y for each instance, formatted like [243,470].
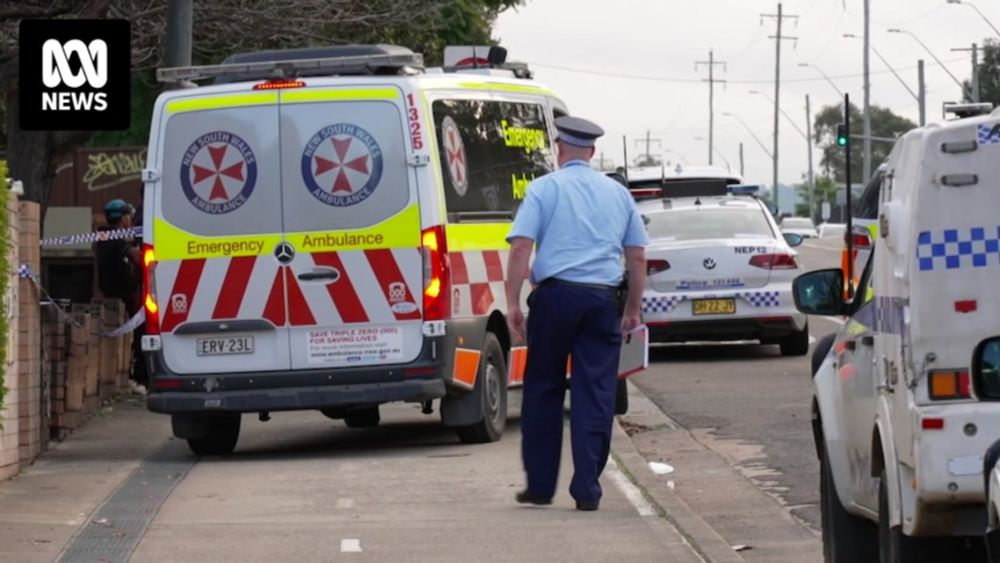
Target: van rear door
[349,203]
[215,233]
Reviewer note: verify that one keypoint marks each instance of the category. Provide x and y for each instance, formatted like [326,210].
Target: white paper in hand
[635,352]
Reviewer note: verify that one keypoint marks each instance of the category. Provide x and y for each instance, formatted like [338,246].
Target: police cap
[578,132]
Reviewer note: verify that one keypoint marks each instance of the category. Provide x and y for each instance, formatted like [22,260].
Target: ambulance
[325,229]
[907,400]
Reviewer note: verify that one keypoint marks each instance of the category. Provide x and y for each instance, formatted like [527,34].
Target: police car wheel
[220,437]
[846,538]
[491,387]
[367,417]
[621,397]
[796,344]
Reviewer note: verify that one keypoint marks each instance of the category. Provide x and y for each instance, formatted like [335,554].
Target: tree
[885,123]
[222,27]
[989,73]
[826,191]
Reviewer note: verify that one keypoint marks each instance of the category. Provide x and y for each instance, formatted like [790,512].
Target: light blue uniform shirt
[580,220]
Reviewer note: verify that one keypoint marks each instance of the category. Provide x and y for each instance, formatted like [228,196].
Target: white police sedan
[719,270]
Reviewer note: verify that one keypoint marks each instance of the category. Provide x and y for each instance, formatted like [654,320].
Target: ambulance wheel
[491,387]
[846,538]
[367,417]
[897,547]
[621,397]
[796,344]
[220,437]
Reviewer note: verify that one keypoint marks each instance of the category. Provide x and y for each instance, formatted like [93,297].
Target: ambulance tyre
[220,435]
[897,547]
[491,387]
[846,537]
[796,344]
[366,417]
[621,397]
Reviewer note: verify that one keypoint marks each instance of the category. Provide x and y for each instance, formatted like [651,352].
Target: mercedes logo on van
[284,252]
[709,264]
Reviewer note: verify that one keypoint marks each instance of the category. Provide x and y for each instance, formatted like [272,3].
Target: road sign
[826,210]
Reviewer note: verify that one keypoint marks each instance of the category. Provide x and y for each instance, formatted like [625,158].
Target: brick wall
[9,419]
[29,325]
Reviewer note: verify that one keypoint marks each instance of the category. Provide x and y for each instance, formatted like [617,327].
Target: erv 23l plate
[224,346]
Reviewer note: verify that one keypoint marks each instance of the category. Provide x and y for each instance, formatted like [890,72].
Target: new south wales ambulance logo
[342,165]
[454,150]
[218,172]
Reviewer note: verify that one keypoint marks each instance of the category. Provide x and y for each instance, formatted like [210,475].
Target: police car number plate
[713,306]
[224,345]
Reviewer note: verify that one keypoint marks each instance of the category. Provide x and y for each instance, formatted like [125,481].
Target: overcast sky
[577,47]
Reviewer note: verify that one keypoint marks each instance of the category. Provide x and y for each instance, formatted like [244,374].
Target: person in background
[119,275]
[581,223]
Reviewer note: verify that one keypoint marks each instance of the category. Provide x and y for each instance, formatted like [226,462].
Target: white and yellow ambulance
[325,230]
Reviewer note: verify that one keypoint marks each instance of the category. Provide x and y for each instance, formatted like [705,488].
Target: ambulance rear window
[490,152]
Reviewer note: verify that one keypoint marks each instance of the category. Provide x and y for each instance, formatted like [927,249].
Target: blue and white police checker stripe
[954,249]
[97,236]
[988,134]
[667,303]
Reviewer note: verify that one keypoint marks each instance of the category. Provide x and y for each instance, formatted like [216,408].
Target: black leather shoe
[588,505]
[527,497]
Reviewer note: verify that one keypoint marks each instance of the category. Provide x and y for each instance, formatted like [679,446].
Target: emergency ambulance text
[226,248]
[363,240]
[520,137]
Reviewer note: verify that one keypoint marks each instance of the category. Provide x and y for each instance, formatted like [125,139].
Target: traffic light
[841,135]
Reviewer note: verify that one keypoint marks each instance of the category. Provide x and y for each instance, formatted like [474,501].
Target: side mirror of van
[793,240]
[987,369]
[820,292]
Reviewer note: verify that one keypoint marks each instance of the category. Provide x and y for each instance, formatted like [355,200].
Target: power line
[699,81]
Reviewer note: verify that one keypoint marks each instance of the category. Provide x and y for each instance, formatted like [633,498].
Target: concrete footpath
[305,488]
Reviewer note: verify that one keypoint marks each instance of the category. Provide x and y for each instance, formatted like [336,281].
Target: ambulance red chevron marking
[394,287]
[478,278]
[459,271]
[274,310]
[494,265]
[343,293]
[234,287]
[178,303]
[298,309]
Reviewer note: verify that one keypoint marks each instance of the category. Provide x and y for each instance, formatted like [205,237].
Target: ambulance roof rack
[346,60]
[962,111]
[482,59]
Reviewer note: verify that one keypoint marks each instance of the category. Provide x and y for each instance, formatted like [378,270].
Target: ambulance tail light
[860,239]
[149,290]
[654,267]
[779,261]
[437,278]
[949,385]
[278,84]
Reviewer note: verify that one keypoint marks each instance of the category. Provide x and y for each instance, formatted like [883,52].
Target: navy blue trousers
[584,322]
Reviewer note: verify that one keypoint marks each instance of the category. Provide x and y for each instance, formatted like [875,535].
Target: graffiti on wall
[107,169]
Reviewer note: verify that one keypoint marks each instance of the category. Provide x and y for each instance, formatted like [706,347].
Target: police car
[325,230]
[719,268]
[906,399]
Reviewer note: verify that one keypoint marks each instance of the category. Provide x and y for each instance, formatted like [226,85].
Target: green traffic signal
[841,136]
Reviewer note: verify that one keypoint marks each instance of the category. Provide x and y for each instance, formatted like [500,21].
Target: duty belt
[597,286]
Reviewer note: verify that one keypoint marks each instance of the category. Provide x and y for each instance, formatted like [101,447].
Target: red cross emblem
[345,158]
[454,149]
[221,170]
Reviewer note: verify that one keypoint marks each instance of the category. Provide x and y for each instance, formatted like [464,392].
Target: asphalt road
[750,404]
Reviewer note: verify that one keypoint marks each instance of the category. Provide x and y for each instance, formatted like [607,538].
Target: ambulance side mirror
[820,292]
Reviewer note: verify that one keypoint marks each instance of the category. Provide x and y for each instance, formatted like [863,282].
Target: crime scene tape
[24,272]
[96,236]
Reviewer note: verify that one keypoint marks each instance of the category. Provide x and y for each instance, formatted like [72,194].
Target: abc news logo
[75,74]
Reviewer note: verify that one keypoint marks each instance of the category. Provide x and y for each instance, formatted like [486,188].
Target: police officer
[581,223]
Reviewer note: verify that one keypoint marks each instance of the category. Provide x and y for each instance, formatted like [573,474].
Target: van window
[987,364]
[490,152]
[867,205]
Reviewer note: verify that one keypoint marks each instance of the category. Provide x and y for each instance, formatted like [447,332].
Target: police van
[905,402]
[325,229]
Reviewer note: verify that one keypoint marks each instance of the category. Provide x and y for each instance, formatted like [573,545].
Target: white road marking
[345,503]
[631,492]
[834,320]
[350,545]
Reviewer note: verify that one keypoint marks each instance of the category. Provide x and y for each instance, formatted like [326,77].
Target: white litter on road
[631,492]
[350,545]
[671,485]
[345,503]
[661,468]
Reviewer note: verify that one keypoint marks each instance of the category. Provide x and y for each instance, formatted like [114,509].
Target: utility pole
[179,18]
[780,17]
[921,92]
[742,173]
[625,155]
[711,63]
[812,178]
[866,167]
[974,95]
[648,142]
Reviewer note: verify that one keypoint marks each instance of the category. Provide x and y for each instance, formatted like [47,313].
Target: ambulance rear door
[349,202]
[216,233]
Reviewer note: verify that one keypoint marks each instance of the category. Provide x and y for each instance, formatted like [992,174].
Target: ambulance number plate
[224,345]
[713,306]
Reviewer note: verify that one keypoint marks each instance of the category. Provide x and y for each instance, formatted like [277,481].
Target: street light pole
[922,88]
[812,178]
[866,166]
[981,14]
[788,117]
[823,74]
[763,147]
[933,56]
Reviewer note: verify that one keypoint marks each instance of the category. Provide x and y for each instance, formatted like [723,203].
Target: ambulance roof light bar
[410,63]
[963,110]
